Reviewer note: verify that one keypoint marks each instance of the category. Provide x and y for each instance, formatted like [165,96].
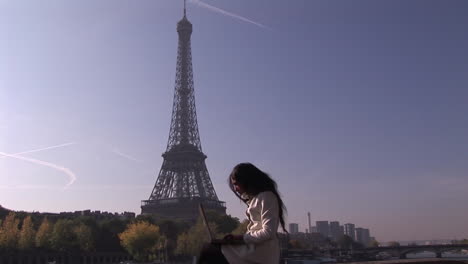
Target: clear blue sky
[357,108]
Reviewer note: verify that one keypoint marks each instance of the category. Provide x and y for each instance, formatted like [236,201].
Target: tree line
[142,237]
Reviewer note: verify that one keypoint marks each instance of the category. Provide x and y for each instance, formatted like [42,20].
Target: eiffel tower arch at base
[185,209]
[183,183]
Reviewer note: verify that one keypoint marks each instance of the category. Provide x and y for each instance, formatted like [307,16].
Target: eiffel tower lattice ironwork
[183,180]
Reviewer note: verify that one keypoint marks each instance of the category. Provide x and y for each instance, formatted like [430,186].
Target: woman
[265,213]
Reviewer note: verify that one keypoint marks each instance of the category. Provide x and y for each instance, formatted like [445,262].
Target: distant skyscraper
[349,231]
[293,228]
[363,236]
[366,237]
[335,230]
[310,225]
[323,228]
[359,235]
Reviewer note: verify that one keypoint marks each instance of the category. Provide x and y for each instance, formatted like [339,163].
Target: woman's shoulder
[266,195]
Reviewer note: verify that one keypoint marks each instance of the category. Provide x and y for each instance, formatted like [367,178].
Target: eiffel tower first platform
[183,180]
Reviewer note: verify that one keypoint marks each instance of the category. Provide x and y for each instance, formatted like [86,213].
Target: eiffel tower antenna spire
[185,12]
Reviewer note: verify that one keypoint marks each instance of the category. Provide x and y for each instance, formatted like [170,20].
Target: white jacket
[262,246]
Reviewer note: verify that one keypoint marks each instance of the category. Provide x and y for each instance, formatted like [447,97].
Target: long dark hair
[255,181]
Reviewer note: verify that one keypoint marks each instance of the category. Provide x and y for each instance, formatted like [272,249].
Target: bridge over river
[402,251]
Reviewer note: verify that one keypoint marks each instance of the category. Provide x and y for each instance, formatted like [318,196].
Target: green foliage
[87,230]
[84,237]
[225,223]
[142,240]
[9,232]
[63,237]
[145,218]
[108,235]
[241,228]
[345,242]
[357,245]
[171,230]
[68,236]
[44,234]
[3,212]
[27,235]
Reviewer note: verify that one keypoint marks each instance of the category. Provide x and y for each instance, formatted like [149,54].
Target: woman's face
[237,186]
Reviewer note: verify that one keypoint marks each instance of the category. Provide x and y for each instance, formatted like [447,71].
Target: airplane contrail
[27,187]
[226,13]
[67,171]
[46,148]
[115,187]
[116,151]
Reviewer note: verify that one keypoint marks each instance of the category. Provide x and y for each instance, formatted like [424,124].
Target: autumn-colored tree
[457,242]
[190,243]
[296,244]
[44,234]
[142,240]
[183,246]
[374,243]
[393,244]
[9,232]
[27,234]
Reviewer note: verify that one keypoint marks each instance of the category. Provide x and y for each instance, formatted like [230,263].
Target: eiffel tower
[183,180]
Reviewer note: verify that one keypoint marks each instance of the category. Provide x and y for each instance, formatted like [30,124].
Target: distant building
[366,237]
[359,235]
[335,230]
[349,230]
[323,228]
[98,215]
[127,215]
[363,236]
[293,228]
[313,229]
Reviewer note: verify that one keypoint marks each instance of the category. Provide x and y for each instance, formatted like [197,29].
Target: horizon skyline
[357,226]
[356,110]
